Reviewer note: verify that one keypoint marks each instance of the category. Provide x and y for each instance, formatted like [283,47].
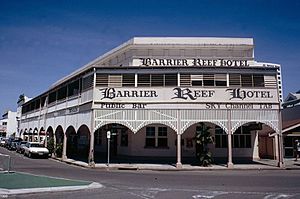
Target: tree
[203,138]
[58,150]
[50,145]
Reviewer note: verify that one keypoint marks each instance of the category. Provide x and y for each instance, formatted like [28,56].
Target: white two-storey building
[152,94]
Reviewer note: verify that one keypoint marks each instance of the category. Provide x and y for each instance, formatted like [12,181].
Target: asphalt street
[218,184]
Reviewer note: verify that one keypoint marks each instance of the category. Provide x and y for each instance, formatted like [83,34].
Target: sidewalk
[14,183]
[263,164]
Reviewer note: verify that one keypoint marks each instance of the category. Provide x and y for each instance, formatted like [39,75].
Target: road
[217,184]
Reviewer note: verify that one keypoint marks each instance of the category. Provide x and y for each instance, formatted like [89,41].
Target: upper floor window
[87,82]
[187,80]
[248,80]
[157,80]
[115,80]
[73,88]
[62,93]
[52,97]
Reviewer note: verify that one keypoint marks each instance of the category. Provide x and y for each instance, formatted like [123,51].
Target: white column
[91,153]
[280,142]
[276,148]
[92,141]
[255,146]
[229,162]
[54,143]
[280,151]
[46,139]
[64,154]
[178,164]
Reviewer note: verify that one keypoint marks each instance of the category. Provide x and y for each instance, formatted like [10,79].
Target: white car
[35,149]
[2,141]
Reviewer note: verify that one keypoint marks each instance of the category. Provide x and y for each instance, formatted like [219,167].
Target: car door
[26,149]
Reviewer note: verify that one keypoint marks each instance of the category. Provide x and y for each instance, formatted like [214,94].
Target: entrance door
[114,143]
[289,145]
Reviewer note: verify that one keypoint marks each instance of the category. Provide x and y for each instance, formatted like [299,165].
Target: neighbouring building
[8,124]
[291,123]
[22,99]
[154,93]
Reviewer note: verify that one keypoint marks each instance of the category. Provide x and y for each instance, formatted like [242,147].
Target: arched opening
[72,142]
[119,144]
[218,148]
[83,143]
[50,140]
[25,135]
[42,135]
[30,135]
[154,143]
[35,135]
[251,141]
[59,138]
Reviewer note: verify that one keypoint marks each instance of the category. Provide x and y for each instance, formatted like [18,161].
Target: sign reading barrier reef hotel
[191,62]
[153,98]
[154,94]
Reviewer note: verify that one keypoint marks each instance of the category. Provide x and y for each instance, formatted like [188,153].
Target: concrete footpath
[14,183]
[263,164]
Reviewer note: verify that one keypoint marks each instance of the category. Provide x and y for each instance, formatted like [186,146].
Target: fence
[5,163]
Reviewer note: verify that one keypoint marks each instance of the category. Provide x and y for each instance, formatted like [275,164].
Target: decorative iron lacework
[181,120]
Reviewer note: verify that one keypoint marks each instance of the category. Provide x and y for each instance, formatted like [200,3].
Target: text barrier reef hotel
[153,93]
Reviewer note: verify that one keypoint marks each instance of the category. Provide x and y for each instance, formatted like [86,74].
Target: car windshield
[36,145]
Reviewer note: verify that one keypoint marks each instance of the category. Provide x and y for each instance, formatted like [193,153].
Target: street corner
[23,183]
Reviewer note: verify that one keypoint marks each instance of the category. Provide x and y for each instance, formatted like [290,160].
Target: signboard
[108,135]
[186,95]
[208,106]
[191,62]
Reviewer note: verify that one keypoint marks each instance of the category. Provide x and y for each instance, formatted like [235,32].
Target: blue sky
[42,41]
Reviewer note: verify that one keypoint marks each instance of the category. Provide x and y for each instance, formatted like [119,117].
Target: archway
[72,143]
[218,148]
[50,140]
[30,135]
[59,138]
[120,144]
[83,143]
[251,142]
[154,143]
[35,135]
[42,135]
[25,135]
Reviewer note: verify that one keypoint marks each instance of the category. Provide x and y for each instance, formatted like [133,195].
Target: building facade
[153,94]
[291,123]
[8,124]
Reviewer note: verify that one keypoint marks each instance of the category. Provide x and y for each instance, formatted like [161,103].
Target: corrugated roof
[161,41]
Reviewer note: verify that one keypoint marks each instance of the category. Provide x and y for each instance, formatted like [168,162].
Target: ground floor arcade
[168,135]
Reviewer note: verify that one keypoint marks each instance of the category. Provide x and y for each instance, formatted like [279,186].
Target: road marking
[150,192]
[209,194]
[277,196]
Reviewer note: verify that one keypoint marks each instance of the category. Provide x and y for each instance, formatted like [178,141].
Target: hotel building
[152,94]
